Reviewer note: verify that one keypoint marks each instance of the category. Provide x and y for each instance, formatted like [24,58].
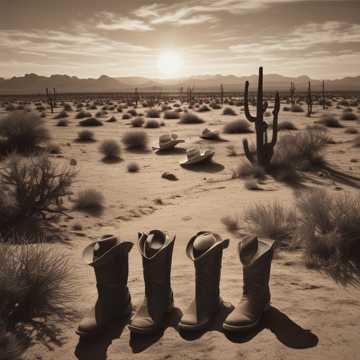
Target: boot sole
[237,328]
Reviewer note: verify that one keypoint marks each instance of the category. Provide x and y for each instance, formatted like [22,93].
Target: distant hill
[36,84]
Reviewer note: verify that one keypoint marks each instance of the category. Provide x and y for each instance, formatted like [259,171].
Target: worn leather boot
[255,256]
[156,249]
[207,257]
[109,258]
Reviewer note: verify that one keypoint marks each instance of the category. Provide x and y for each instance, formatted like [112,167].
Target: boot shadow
[141,342]
[214,325]
[95,347]
[287,331]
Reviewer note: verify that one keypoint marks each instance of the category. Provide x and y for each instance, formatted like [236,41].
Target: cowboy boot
[109,258]
[255,256]
[207,264]
[156,251]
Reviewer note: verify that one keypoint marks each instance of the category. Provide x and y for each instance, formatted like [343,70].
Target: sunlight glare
[170,64]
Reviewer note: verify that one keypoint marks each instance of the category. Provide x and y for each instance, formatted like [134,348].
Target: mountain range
[36,84]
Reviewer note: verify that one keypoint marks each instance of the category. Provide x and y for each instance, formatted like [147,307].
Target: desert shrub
[135,140]
[271,221]
[286,125]
[231,223]
[132,112]
[245,170]
[229,111]
[190,118]
[83,114]
[215,106]
[112,119]
[126,116]
[90,122]
[237,127]
[62,123]
[351,130]
[203,108]
[11,348]
[152,124]
[286,108]
[296,108]
[110,149]
[153,113]
[356,141]
[343,102]
[61,115]
[101,113]
[302,151]
[137,122]
[53,148]
[349,116]
[10,107]
[85,136]
[68,107]
[22,132]
[329,229]
[90,201]
[171,115]
[329,120]
[132,167]
[35,281]
[31,192]
[252,184]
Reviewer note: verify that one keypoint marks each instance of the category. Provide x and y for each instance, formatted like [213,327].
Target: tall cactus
[323,100]
[309,100]
[292,93]
[264,148]
[222,94]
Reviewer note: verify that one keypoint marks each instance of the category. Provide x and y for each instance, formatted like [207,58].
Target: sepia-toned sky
[88,38]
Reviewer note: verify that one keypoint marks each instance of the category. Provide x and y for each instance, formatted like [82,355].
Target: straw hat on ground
[195,156]
[210,134]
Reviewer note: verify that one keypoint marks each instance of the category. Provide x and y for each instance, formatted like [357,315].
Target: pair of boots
[109,257]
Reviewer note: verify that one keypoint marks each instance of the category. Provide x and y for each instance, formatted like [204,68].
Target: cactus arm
[247,151]
[265,106]
[246,104]
[275,117]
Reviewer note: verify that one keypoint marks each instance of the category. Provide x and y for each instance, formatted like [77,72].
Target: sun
[170,63]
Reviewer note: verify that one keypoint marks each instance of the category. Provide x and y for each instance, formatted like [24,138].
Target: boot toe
[239,321]
[87,326]
[142,325]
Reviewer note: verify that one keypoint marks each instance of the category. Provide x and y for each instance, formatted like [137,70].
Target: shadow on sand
[207,167]
[175,151]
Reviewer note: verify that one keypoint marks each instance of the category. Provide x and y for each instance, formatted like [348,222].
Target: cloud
[122,23]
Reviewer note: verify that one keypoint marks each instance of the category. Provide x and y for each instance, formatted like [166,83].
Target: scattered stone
[73,162]
[169,176]
[338,188]
[186,218]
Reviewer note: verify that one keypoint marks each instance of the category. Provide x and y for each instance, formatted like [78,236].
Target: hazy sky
[88,38]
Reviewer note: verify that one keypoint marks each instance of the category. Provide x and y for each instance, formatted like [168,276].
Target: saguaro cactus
[222,94]
[137,96]
[51,98]
[264,148]
[309,101]
[292,93]
[323,100]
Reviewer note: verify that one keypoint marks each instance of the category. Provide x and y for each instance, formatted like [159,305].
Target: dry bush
[300,151]
[135,140]
[137,122]
[329,229]
[112,119]
[231,223]
[296,108]
[351,130]
[110,149]
[286,125]
[252,184]
[90,201]
[85,136]
[82,115]
[203,108]
[330,120]
[126,116]
[349,116]
[31,196]
[23,132]
[91,122]
[132,112]
[237,127]
[245,170]
[62,123]
[132,167]
[10,347]
[229,111]
[68,107]
[101,113]
[61,115]
[152,124]
[271,221]
[53,148]
[190,118]
[153,113]
[171,115]
[35,281]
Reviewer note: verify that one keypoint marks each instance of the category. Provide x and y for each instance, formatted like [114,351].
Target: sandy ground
[312,317]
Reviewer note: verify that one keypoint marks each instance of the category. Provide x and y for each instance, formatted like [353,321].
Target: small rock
[73,162]
[338,188]
[169,176]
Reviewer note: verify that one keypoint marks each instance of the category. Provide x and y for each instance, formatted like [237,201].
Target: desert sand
[312,317]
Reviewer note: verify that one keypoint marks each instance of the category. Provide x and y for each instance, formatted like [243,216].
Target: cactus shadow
[95,348]
[141,342]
